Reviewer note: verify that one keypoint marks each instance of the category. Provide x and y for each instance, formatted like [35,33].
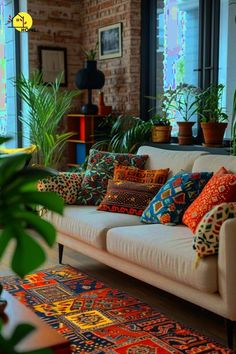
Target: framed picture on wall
[110,41]
[53,62]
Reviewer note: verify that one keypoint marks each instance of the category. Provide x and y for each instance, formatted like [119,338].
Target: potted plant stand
[185,136]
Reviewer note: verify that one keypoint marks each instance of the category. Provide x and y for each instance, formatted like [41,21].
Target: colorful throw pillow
[65,184]
[134,174]
[100,169]
[220,189]
[128,197]
[206,239]
[170,203]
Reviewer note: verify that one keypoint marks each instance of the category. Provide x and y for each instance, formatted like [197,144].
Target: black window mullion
[148,55]
[18,70]
[215,40]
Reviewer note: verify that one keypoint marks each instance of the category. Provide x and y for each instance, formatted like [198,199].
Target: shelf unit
[86,128]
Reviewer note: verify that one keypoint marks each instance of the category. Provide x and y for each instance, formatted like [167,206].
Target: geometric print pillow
[170,203]
[100,169]
[134,174]
[220,189]
[65,184]
[206,238]
[128,197]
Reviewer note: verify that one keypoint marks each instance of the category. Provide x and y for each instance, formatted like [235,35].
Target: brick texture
[75,23]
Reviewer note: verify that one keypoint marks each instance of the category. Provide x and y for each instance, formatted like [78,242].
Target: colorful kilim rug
[99,319]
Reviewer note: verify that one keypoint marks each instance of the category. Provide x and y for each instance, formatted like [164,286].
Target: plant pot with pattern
[213,119]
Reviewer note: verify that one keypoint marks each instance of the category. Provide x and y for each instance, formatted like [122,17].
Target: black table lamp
[90,78]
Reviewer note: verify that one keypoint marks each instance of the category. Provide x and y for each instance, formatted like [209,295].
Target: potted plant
[47,104]
[185,103]
[161,130]
[213,119]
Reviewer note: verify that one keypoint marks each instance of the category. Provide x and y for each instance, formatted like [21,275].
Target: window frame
[209,35]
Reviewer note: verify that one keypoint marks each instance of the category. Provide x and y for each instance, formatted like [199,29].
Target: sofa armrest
[227,265]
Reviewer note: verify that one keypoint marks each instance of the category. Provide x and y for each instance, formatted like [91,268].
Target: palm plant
[126,133]
[20,223]
[47,104]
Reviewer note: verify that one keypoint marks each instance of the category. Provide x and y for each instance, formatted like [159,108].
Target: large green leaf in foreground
[19,220]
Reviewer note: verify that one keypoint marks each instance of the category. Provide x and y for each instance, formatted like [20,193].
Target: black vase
[90,78]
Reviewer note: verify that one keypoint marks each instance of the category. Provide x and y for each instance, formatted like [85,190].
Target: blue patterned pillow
[170,203]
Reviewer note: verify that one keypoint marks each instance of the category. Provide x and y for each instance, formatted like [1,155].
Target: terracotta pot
[161,134]
[213,133]
[185,136]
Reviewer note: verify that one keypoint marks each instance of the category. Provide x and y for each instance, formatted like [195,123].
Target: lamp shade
[90,77]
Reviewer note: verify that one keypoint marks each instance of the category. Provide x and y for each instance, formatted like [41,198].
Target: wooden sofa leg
[230,333]
[60,252]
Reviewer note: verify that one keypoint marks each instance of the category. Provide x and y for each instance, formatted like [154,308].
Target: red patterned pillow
[134,174]
[220,189]
[128,197]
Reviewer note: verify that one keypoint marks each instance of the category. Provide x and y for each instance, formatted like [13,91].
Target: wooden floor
[194,317]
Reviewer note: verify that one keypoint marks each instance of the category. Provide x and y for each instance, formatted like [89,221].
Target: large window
[227,68]
[180,44]
[13,47]
[177,45]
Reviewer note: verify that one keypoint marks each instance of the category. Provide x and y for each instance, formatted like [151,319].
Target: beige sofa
[160,255]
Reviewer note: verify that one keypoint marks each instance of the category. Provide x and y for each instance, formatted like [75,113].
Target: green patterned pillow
[206,238]
[100,169]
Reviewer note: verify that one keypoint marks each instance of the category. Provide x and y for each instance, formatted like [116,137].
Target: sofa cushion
[174,160]
[212,163]
[206,238]
[165,250]
[218,190]
[169,204]
[87,224]
[65,184]
[134,174]
[128,197]
[99,170]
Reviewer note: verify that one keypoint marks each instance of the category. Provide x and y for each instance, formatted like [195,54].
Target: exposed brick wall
[122,75]
[68,23]
[57,25]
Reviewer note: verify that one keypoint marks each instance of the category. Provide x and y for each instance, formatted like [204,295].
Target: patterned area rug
[99,319]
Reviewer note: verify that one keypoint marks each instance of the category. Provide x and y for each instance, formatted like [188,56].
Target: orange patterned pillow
[220,189]
[134,174]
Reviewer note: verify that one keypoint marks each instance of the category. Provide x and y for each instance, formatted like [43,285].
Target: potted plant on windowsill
[213,119]
[161,130]
[186,104]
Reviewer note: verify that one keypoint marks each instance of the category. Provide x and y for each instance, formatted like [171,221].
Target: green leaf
[5,237]
[10,165]
[44,228]
[20,332]
[28,254]
[49,200]
[4,139]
